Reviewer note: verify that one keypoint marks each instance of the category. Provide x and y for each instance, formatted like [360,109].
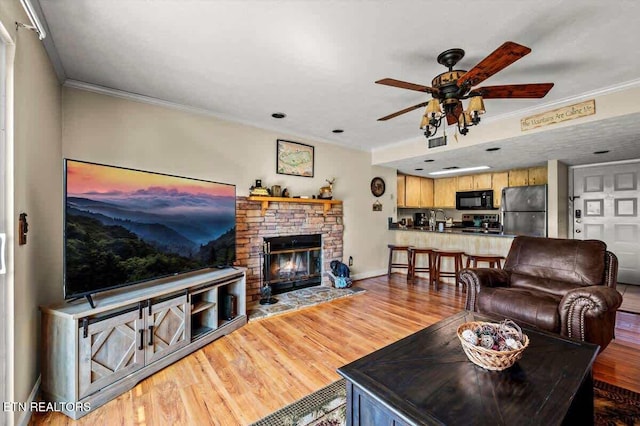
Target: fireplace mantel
[326,204]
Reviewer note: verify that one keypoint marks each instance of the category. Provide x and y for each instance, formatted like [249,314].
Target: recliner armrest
[584,303]
[475,278]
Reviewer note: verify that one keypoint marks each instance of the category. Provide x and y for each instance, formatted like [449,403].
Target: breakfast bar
[493,243]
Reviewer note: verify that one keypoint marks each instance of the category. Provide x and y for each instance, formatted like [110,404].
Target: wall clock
[377,186]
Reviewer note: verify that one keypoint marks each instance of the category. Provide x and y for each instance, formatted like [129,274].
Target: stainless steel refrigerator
[524,210]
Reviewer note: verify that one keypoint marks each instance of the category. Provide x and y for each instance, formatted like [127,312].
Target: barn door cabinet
[92,355]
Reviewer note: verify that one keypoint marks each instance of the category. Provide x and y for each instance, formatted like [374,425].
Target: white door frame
[7,223]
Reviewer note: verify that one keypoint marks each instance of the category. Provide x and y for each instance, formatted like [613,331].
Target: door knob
[578,231]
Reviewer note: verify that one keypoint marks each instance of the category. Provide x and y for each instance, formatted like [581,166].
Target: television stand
[94,353]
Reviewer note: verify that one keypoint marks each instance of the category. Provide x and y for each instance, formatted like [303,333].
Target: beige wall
[115,131]
[37,177]
[558,199]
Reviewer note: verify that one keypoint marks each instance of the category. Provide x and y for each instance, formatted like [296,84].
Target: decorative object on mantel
[257,189]
[326,192]
[570,112]
[377,206]
[294,158]
[377,186]
[453,86]
[493,346]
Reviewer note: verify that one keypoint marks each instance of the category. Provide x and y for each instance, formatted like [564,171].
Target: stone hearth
[282,218]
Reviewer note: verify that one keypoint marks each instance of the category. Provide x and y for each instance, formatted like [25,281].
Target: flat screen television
[124,226]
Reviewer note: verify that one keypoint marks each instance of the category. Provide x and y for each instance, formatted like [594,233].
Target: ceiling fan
[453,86]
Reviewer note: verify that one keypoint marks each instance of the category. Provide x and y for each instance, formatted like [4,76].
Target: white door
[605,207]
[3,241]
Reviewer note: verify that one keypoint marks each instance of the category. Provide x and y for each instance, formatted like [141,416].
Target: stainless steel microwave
[474,200]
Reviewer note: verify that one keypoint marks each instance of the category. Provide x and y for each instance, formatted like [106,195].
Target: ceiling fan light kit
[450,88]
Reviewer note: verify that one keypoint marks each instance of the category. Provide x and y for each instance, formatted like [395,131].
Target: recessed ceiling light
[492,149]
[451,168]
[418,169]
[337,131]
[457,170]
[278,115]
[430,160]
[601,152]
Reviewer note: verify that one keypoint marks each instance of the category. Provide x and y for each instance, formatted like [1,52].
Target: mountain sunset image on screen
[124,226]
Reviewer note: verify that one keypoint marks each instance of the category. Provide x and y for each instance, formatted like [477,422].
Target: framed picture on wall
[294,158]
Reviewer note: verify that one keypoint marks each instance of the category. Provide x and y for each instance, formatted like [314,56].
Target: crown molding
[136,97]
[49,45]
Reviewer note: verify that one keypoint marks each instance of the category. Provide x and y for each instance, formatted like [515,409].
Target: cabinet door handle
[141,345]
[150,335]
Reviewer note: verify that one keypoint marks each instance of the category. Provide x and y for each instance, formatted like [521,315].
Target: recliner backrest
[554,264]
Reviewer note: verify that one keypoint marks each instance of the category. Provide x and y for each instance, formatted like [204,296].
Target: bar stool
[401,249]
[413,253]
[491,259]
[437,265]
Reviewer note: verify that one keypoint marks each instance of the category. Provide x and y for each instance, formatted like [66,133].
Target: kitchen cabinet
[482,181]
[499,181]
[519,177]
[465,183]
[537,175]
[426,192]
[401,190]
[530,176]
[412,194]
[444,192]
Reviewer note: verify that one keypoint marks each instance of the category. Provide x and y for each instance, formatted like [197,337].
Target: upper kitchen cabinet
[538,175]
[444,192]
[465,183]
[412,194]
[499,181]
[401,190]
[530,176]
[482,181]
[519,177]
[426,192]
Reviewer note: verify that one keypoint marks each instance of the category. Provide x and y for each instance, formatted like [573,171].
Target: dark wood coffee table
[426,378]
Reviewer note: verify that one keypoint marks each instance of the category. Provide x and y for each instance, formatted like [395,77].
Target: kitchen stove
[480,222]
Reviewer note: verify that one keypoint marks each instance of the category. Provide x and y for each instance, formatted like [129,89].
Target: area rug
[299,299]
[328,407]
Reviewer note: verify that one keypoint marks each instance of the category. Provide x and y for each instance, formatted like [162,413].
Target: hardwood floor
[272,362]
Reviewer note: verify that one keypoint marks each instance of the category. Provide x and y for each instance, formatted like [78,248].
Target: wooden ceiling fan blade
[395,114]
[499,59]
[538,90]
[406,85]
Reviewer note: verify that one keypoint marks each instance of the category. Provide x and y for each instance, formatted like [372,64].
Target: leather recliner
[558,285]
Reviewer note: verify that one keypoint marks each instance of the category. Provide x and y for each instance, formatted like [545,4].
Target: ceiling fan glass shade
[476,104]
[464,120]
[425,121]
[433,108]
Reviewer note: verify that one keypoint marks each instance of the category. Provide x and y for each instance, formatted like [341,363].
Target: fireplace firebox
[292,262]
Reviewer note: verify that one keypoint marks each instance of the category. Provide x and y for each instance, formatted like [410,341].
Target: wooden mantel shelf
[326,204]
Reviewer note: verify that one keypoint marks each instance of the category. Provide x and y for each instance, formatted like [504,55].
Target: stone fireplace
[254,228]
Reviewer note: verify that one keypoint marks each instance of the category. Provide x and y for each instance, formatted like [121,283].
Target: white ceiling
[317,62]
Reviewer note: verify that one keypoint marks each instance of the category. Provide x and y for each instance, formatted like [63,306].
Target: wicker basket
[489,358]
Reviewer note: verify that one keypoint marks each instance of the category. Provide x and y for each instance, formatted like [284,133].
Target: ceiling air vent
[436,142]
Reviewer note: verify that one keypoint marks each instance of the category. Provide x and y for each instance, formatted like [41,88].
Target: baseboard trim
[369,274]
[25,416]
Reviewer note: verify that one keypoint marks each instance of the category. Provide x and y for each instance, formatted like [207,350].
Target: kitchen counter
[461,231]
